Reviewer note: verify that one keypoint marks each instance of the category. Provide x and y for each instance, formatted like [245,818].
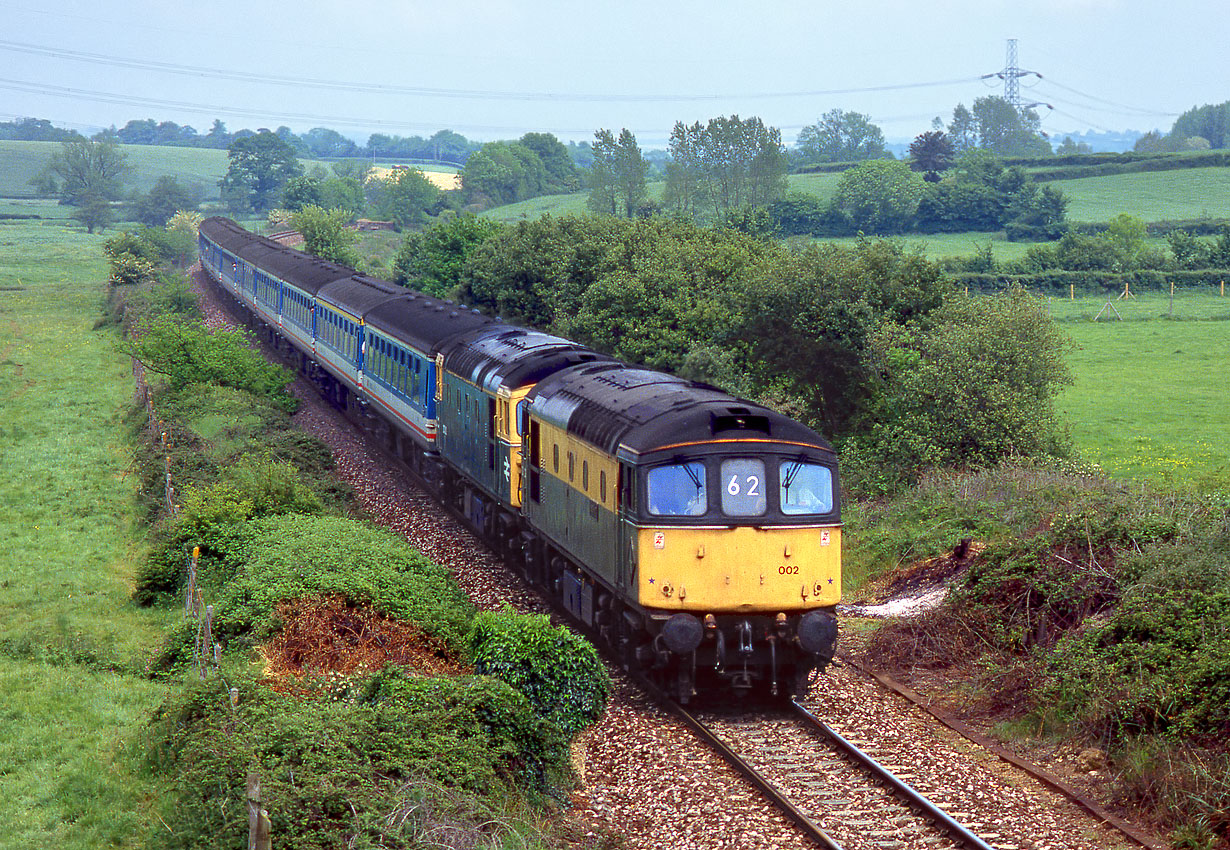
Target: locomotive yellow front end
[738,561]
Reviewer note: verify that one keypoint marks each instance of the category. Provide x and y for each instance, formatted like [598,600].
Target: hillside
[199,167]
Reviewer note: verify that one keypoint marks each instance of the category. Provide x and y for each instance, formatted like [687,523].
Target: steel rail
[915,800]
[792,812]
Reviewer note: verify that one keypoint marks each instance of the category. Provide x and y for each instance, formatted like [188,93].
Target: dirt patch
[914,588]
[328,635]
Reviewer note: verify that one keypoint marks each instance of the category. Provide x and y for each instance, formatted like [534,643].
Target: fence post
[259,837]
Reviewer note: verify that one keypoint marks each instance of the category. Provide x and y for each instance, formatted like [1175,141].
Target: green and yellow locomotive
[698,533]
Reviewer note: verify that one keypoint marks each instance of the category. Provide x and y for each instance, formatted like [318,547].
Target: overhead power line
[431,91]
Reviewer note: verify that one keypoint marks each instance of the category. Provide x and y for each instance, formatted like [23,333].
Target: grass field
[1152,196]
[1151,399]
[199,167]
[71,643]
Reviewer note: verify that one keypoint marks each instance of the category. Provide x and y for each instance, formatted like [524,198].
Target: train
[694,534]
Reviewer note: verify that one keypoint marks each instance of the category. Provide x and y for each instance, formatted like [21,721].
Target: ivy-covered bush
[560,673]
[386,760]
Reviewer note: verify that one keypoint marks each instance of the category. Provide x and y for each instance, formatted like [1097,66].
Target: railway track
[832,789]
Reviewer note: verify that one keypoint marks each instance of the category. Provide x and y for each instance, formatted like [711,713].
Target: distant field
[203,168]
[1152,196]
[535,208]
[823,186]
[1150,399]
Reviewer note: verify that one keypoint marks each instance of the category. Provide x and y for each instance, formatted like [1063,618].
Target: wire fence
[206,651]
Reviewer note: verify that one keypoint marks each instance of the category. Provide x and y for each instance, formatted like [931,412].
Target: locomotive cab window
[806,488]
[743,487]
[677,490]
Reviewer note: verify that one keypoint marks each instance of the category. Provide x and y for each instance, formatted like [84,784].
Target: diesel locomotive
[695,534]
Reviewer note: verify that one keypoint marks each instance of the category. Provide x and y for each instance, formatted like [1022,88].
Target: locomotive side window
[743,487]
[806,488]
[678,490]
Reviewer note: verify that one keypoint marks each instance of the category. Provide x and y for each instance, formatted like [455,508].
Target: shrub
[558,672]
[336,759]
[187,353]
[267,560]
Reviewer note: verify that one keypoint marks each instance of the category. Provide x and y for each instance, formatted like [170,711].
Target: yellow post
[1223,289]
[1071,291]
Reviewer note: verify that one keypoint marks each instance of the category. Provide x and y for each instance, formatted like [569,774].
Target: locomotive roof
[426,323]
[614,406]
[506,355]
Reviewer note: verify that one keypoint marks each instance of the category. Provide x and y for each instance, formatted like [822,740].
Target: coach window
[743,487]
[585,476]
[555,457]
[571,466]
[602,486]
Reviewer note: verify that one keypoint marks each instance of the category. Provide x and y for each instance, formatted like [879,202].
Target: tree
[974,385]
[617,178]
[963,130]
[931,153]
[432,260]
[1069,147]
[302,191]
[879,196]
[163,201]
[260,166]
[841,136]
[217,137]
[94,212]
[1210,122]
[724,166]
[503,173]
[407,199]
[90,169]
[809,318]
[1001,129]
[326,235]
[562,175]
[323,142]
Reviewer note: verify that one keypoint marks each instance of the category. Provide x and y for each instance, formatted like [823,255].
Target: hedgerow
[264,561]
[355,762]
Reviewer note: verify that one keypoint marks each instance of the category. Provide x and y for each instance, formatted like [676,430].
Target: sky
[496,69]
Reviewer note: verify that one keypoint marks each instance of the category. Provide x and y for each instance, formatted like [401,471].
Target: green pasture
[536,208]
[1150,398]
[199,167]
[1150,195]
[72,645]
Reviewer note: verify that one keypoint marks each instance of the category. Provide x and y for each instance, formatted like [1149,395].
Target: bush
[558,672]
[257,564]
[384,760]
[187,353]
